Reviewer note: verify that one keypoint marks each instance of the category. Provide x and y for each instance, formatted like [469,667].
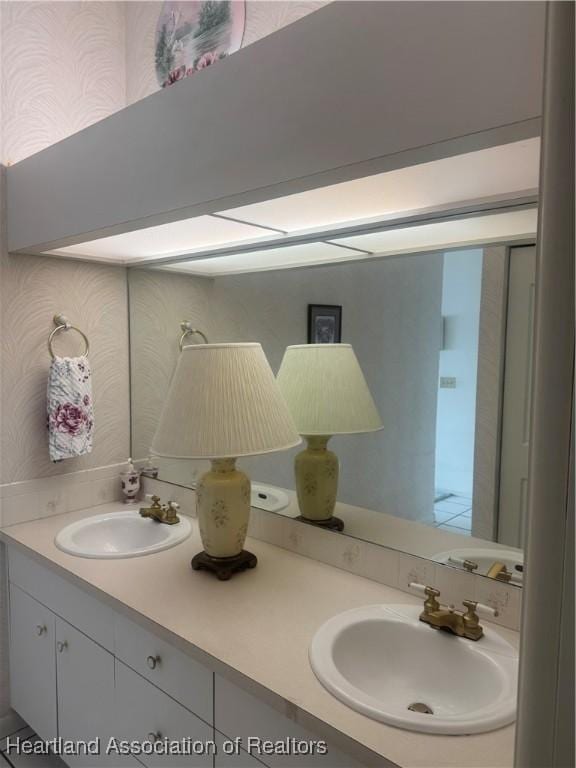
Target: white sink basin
[269,498]
[380,660]
[120,534]
[485,558]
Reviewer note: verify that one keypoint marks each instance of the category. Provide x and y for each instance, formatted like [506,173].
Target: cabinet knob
[41,629]
[61,645]
[154,736]
[153,661]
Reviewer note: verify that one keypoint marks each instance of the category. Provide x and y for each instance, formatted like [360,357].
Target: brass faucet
[499,571]
[162,513]
[464,624]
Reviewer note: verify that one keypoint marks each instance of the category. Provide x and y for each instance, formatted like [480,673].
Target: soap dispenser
[150,470]
[130,479]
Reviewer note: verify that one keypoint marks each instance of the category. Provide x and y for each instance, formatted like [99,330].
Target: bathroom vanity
[144,648]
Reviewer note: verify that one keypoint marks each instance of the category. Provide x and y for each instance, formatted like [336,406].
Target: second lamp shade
[326,391]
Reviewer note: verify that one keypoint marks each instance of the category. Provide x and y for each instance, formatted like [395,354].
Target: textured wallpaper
[159,302]
[63,68]
[32,290]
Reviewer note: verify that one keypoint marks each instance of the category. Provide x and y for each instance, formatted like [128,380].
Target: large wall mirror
[444,339]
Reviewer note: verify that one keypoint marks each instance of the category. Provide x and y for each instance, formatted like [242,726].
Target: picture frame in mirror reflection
[324,323]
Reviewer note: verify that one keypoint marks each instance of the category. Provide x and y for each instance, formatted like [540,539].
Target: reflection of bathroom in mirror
[443,339]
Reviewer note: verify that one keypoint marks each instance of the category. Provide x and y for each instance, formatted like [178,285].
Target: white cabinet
[85,675]
[32,663]
[82,671]
[145,714]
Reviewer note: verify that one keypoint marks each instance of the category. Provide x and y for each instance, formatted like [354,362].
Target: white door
[517,396]
[32,663]
[85,677]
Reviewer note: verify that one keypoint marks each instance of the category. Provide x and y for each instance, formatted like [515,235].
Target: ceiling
[477,178]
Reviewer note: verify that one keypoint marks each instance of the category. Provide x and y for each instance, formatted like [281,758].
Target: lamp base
[316,470]
[331,524]
[224,567]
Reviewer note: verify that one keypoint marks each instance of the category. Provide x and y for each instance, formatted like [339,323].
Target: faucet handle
[154,499]
[432,594]
[467,565]
[423,589]
[480,609]
[171,512]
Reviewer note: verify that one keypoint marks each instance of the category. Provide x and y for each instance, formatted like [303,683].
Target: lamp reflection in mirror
[223,403]
[327,395]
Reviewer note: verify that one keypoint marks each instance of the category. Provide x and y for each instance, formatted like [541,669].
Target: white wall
[456,415]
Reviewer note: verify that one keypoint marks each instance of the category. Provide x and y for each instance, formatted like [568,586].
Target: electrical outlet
[447,382]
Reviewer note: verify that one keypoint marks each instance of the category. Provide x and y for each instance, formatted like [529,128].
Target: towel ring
[62,324]
[189,331]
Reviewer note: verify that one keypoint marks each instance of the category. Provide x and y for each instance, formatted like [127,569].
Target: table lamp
[223,403]
[327,395]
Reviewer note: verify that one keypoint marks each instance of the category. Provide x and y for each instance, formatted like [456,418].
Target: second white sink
[120,534]
[484,558]
[382,661]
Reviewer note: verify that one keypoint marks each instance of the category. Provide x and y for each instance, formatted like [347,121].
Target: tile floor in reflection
[454,514]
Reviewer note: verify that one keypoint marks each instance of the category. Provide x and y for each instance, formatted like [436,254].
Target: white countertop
[411,536]
[260,625]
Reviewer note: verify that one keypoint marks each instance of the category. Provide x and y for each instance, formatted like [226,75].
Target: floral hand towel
[70,411]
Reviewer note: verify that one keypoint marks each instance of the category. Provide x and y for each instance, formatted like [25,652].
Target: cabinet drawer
[185,679]
[142,712]
[238,713]
[68,601]
[32,663]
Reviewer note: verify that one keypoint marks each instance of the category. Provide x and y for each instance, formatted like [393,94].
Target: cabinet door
[32,663]
[85,674]
[239,759]
[144,714]
[240,714]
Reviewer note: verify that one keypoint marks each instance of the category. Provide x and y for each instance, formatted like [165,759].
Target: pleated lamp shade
[223,402]
[326,391]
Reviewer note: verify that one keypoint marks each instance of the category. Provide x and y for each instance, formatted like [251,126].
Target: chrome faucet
[162,513]
[463,624]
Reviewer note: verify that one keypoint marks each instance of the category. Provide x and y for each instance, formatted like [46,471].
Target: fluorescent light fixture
[256,261]
[442,235]
[474,230]
[177,237]
[499,171]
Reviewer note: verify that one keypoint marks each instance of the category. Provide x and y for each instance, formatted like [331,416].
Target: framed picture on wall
[324,324]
